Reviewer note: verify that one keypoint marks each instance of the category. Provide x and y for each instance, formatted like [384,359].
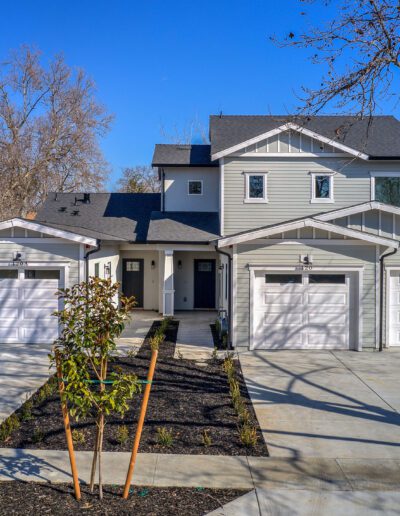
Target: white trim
[377,295]
[311,241]
[254,200]
[234,297]
[291,155]
[195,181]
[357,339]
[380,173]
[308,222]
[81,270]
[162,247]
[221,196]
[359,208]
[286,127]
[41,228]
[320,200]
[31,240]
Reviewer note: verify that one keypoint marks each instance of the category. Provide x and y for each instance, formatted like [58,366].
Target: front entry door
[204,284]
[133,279]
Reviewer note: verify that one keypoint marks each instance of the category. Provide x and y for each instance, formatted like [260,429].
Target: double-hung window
[322,187]
[385,187]
[255,187]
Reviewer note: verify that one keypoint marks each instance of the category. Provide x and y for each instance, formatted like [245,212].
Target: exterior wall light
[179,264]
[153,264]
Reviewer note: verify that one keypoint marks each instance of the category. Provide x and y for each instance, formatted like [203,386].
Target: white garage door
[27,300]
[301,311]
[394,309]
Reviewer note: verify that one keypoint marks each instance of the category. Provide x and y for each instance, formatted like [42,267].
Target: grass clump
[9,426]
[38,436]
[122,434]
[206,438]
[248,435]
[26,409]
[164,437]
[78,436]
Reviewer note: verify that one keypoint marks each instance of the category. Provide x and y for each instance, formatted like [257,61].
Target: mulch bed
[187,398]
[21,498]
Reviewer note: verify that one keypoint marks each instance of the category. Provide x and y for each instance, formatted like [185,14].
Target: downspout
[229,294]
[382,271]
[86,257]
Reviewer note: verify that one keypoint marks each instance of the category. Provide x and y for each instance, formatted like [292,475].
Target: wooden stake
[68,432]
[143,409]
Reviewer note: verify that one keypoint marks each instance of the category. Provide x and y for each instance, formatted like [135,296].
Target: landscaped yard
[190,411]
[19,498]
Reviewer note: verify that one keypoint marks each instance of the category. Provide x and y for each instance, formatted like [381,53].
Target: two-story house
[290,224]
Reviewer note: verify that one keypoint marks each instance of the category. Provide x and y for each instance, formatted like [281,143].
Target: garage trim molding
[388,271]
[293,268]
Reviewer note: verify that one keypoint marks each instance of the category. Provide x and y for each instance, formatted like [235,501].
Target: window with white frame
[195,187]
[255,187]
[385,187]
[322,187]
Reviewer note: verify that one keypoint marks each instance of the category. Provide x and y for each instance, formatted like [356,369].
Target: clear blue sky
[160,64]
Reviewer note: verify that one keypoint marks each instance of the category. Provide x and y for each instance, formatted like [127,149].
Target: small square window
[195,187]
[256,188]
[133,266]
[322,188]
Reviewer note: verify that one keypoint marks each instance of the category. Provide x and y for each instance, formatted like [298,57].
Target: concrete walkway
[23,369]
[136,330]
[195,340]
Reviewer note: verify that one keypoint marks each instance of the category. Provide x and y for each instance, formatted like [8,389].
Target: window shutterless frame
[247,187]
[191,184]
[314,190]
[375,174]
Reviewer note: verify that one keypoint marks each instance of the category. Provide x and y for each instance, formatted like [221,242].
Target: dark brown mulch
[186,398]
[21,498]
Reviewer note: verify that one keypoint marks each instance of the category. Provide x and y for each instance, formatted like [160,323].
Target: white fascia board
[47,230]
[293,127]
[359,208]
[303,223]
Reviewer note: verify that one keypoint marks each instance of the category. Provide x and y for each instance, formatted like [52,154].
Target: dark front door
[133,279]
[204,284]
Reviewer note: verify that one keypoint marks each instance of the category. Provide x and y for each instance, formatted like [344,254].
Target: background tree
[90,322]
[139,179]
[50,123]
[360,49]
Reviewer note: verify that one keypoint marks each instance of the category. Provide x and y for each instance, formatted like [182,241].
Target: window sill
[322,201]
[255,201]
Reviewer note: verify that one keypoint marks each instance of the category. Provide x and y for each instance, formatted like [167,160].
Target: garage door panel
[7,293]
[38,294]
[279,338]
[8,313]
[314,318]
[8,333]
[41,313]
[279,318]
[284,299]
[324,340]
[36,335]
[327,298]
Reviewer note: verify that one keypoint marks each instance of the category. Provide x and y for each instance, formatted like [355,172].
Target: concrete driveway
[23,369]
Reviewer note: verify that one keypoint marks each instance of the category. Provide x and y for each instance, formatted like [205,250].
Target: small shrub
[248,435]
[243,414]
[207,441]
[214,355]
[132,352]
[8,426]
[164,436]
[37,436]
[234,389]
[26,409]
[228,365]
[122,434]
[78,436]
[48,389]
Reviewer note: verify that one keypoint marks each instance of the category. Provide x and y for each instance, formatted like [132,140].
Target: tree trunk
[94,461]
[101,435]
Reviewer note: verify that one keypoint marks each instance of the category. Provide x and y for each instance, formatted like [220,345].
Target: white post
[168,284]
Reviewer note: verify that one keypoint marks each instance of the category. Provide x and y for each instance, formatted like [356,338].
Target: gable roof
[182,155]
[185,227]
[47,229]
[267,231]
[378,138]
[358,208]
[108,216]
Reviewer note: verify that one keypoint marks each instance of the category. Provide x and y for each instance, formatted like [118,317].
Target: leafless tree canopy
[50,123]
[139,179]
[361,49]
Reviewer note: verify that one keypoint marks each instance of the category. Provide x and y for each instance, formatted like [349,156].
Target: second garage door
[301,311]
[27,302]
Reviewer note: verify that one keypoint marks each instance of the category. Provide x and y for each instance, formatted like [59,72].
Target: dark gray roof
[182,155]
[378,137]
[194,227]
[108,216]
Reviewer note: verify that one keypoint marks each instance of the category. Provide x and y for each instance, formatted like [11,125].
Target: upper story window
[385,187]
[322,187]
[255,187]
[195,187]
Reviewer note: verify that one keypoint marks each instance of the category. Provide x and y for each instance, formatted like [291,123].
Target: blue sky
[159,65]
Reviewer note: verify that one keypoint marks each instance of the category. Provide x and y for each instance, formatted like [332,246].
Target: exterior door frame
[214,271]
[357,295]
[388,271]
[124,280]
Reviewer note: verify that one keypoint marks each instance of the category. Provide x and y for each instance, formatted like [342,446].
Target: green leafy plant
[214,355]
[78,436]
[248,435]
[207,441]
[164,436]
[122,434]
[26,409]
[48,389]
[132,352]
[8,426]
[91,322]
[37,436]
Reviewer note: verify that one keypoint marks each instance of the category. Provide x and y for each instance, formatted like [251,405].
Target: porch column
[168,283]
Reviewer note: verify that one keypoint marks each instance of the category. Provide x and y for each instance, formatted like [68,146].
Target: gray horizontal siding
[288,255]
[289,188]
